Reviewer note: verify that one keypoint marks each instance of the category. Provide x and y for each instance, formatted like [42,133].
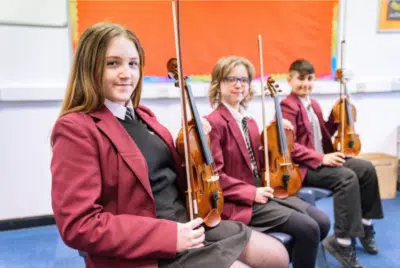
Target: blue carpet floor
[42,247]
[387,236]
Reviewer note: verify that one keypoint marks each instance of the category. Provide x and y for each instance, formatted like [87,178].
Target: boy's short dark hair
[302,67]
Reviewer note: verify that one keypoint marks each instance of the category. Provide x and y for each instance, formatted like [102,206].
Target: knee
[266,251]
[323,221]
[305,230]
[280,256]
[324,224]
[370,170]
[282,261]
[369,166]
[311,230]
[347,179]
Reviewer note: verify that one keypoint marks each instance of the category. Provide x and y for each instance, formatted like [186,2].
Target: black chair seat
[284,238]
[313,194]
[82,254]
[321,193]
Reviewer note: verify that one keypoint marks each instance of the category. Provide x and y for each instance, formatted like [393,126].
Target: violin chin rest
[213,218]
[280,193]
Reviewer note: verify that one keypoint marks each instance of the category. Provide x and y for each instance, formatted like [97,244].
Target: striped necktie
[129,115]
[249,148]
[316,129]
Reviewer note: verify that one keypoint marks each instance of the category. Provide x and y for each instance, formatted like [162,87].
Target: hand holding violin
[263,193]
[189,235]
[342,98]
[286,124]
[206,126]
[333,159]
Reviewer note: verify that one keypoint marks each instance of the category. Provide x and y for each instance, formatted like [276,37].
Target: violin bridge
[213,178]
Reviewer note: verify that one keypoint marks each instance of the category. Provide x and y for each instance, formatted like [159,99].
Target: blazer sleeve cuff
[169,240]
[249,194]
[318,160]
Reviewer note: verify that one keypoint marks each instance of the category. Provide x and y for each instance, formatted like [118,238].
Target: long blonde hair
[222,69]
[85,86]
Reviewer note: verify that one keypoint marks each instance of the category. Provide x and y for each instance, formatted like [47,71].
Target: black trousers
[306,224]
[355,193]
[307,230]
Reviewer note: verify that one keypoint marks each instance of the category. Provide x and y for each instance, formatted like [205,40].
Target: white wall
[34,68]
[371,56]
[39,12]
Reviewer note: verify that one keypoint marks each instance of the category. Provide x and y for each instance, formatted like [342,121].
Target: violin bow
[176,19]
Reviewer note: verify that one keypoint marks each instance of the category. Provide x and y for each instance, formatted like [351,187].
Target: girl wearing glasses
[239,164]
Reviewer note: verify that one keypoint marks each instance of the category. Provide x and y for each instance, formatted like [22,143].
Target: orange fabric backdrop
[212,29]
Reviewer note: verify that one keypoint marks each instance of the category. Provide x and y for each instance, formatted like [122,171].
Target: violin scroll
[343,75]
[172,68]
[272,89]
[339,75]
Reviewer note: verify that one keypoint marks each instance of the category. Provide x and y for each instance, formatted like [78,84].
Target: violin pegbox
[344,75]
[272,89]
[172,67]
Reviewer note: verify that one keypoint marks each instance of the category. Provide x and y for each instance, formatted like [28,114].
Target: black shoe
[345,255]
[368,241]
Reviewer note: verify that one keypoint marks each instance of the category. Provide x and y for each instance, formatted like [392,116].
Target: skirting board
[27,222]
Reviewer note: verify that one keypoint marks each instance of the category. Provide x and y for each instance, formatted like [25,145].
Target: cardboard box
[386,168]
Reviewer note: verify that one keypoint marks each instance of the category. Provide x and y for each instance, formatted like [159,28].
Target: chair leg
[321,257]
[82,254]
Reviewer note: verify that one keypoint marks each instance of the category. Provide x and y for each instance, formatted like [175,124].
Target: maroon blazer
[233,162]
[101,194]
[303,152]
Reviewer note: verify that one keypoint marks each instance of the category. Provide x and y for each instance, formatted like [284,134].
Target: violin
[279,172]
[204,197]
[347,141]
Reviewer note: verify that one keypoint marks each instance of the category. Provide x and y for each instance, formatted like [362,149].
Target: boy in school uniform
[353,181]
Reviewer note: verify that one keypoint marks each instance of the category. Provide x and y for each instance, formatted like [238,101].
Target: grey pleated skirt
[275,212]
[223,246]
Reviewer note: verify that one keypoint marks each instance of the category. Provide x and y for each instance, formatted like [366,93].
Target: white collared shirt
[305,100]
[317,133]
[237,115]
[119,110]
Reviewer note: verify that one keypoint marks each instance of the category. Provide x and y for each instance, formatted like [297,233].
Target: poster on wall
[211,30]
[389,16]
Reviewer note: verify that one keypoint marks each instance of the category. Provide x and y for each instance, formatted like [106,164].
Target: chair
[82,254]
[312,194]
